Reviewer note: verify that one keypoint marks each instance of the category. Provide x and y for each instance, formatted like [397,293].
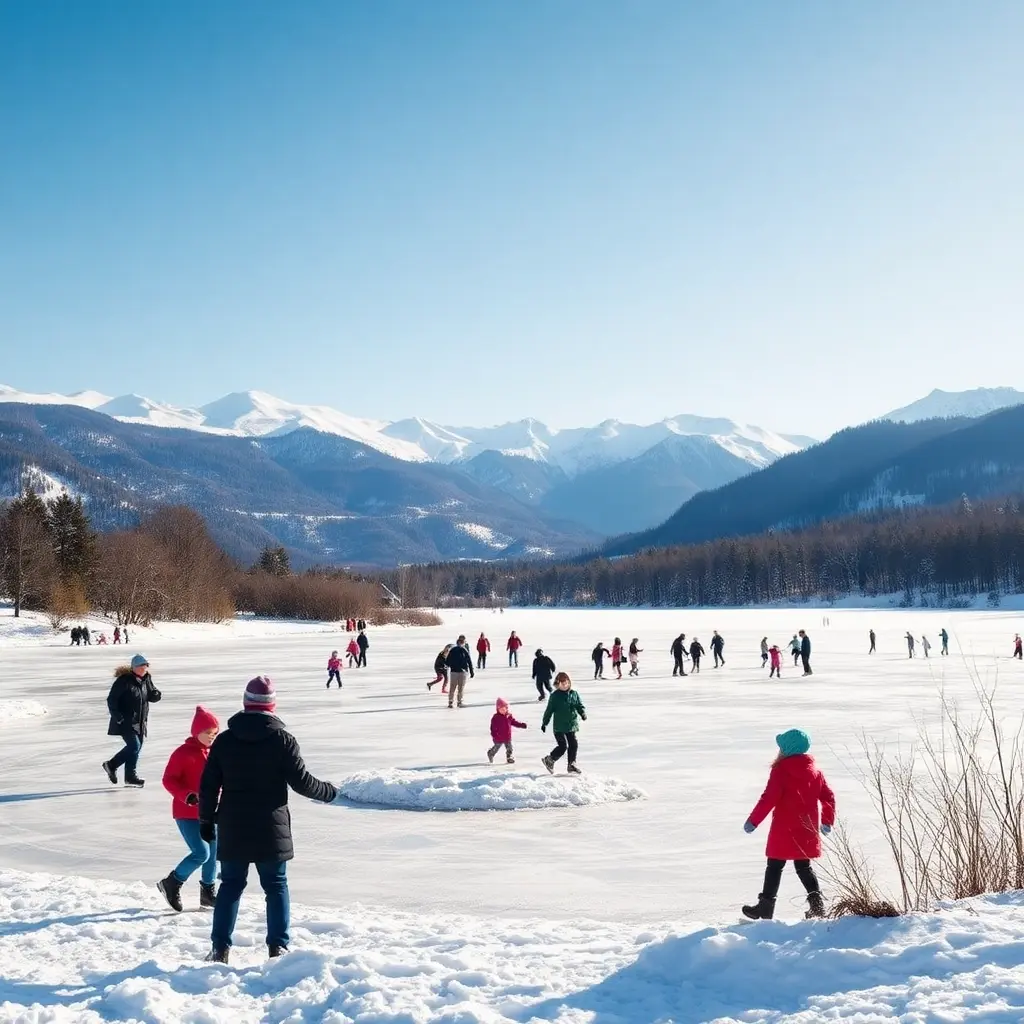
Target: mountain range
[339,488]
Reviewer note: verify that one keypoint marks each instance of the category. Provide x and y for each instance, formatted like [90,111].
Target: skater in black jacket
[696,653]
[363,642]
[676,650]
[543,670]
[717,646]
[597,655]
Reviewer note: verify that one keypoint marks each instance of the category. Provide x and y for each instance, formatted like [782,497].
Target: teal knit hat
[794,741]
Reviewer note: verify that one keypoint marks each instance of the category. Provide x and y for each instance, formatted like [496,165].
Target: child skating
[333,669]
[502,724]
[776,659]
[181,779]
[441,670]
[634,657]
[353,653]
[794,792]
[566,708]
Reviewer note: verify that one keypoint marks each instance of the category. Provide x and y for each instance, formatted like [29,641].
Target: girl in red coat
[333,669]
[502,724]
[794,791]
[181,780]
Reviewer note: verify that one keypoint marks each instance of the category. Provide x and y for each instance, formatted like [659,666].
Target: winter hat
[501,703]
[203,719]
[794,741]
[260,695]
[139,660]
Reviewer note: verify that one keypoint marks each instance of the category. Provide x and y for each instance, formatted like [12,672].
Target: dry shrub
[404,617]
[951,810]
[312,596]
[67,601]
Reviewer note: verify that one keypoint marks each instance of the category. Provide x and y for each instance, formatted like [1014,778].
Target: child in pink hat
[502,724]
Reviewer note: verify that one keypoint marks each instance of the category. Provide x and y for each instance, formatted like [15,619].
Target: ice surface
[454,790]
[13,710]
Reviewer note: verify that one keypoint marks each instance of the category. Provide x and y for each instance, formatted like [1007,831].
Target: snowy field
[494,913]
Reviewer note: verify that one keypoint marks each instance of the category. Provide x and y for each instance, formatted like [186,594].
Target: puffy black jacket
[244,788]
[696,650]
[440,662]
[717,643]
[363,641]
[676,650]
[460,660]
[543,669]
[128,703]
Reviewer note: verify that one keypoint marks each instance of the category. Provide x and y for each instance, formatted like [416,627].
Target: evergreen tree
[74,543]
[274,561]
[27,562]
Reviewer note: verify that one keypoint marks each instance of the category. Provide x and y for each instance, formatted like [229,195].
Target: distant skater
[805,652]
[566,708]
[776,658]
[513,645]
[717,647]
[926,646]
[1018,648]
[676,650]
[333,669]
[502,724]
[764,651]
[794,648]
[543,670]
[795,792]
[618,657]
[871,638]
[634,657]
[483,648]
[944,637]
[696,653]
[597,655]
[910,645]
[352,651]
[460,662]
[363,643]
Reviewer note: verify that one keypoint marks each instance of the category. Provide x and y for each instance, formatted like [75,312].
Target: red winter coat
[501,727]
[776,656]
[794,791]
[483,645]
[514,643]
[334,664]
[182,774]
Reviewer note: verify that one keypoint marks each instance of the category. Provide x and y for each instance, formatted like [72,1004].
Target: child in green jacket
[566,708]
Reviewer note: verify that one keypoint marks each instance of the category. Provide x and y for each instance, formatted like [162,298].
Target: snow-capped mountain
[573,451]
[946,404]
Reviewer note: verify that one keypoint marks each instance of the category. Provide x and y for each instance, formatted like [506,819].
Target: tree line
[943,556]
[166,567]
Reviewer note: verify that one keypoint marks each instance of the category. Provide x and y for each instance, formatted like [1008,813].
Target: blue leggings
[201,854]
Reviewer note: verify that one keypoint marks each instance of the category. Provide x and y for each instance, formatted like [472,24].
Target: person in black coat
[805,652]
[677,651]
[460,661]
[363,641]
[128,703]
[717,647]
[597,656]
[543,670]
[243,804]
[696,652]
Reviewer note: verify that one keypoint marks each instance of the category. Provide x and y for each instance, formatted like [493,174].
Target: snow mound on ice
[13,710]
[411,790]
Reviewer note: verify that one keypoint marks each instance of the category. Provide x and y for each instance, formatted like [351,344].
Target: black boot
[207,896]
[111,773]
[816,905]
[171,889]
[134,780]
[276,951]
[762,910]
[217,956]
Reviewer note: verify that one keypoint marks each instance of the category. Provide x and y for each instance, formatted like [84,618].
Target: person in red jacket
[181,779]
[502,724]
[483,648]
[353,653]
[333,669]
[513,645]
[794,792]
[776,655]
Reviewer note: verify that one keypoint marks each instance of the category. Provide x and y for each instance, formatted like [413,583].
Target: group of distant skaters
[81,636]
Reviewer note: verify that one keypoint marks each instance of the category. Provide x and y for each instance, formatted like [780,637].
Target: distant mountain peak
[939,404]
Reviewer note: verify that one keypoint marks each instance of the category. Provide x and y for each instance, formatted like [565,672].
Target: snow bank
[412,790]
[82,951]
[13,710]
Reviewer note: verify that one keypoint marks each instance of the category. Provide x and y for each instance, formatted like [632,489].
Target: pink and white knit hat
[259,695]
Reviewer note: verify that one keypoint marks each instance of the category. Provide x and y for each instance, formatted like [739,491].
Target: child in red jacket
[333,669]
[794,791]
[181,779]
[502,724]
[353,653]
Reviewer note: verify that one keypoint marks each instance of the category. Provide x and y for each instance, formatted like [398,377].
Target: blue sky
[797,214]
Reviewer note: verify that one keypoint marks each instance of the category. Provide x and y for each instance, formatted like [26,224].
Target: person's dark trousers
[872,651]
[513,659]
[334,674]
[543,687]
[807,664]
[481,660]
[796,657]
[773,876]
[361,661]
[696,665]
[497,747]
[677,666]
[598,670]
[565,740]
[764,660]
[776,671]
[128,755]
[233,877]
[945,648]
[718,659]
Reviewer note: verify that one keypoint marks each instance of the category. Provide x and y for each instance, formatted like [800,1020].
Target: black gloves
[207,831]
[192,799]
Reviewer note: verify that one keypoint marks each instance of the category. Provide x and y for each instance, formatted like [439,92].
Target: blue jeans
[201,854]
[233,876]
[128,755]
